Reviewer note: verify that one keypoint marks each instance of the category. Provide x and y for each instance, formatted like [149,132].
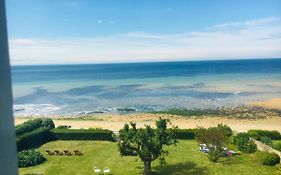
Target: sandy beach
[116,122]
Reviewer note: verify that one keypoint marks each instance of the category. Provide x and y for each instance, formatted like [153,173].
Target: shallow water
[75,89]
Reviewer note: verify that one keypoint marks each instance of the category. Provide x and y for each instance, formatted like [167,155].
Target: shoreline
[115,122]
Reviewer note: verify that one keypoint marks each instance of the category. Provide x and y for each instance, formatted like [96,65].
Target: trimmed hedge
[82,134]
[31,125]
[31,157]
[48,123]
[28,126]
[258,134]
[184,133]
[34,138]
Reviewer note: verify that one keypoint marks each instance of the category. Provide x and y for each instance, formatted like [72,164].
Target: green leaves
[30,157]
[214,139]
[147,143]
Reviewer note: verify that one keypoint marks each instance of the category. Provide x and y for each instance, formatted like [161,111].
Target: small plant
[266,140]
[30,157]
[271,159]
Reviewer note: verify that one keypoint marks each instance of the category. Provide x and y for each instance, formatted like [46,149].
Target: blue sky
[96,31]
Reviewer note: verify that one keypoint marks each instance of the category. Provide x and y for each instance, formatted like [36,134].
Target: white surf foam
[34,109]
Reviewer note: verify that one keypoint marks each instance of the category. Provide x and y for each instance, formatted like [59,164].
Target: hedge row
[82,134]
[184,133]
[28,126]
[258,134]
[34,138]
[31,125]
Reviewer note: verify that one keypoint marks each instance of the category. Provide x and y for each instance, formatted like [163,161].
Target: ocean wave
[35,109]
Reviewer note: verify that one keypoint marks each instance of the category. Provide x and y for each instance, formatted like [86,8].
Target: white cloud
[249,39]
[99,21]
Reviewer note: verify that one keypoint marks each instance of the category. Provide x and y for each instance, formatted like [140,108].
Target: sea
[44,90]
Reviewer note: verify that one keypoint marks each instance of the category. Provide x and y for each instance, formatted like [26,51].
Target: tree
[146,143]
[226,130]
[214,140]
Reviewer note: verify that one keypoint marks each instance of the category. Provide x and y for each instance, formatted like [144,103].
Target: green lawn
[184,159]
[276,141]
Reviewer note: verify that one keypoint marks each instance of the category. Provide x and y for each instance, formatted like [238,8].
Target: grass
[184,159]
[275,142]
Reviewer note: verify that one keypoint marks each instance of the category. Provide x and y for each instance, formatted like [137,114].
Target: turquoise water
[118,88]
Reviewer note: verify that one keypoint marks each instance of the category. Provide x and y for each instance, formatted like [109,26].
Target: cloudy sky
[105,31]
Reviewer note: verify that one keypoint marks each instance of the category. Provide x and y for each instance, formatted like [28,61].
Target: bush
[63,127]
[31,125]
[34,138]
[244,144]
[28,158]
[266,140]
[226,130]
[258,134]
[278,146]
[251,147]
[28,126]
[184,133]
[82,134]
[271,159]
[48,123]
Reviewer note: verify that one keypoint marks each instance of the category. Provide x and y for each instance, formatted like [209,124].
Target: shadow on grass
[187,168]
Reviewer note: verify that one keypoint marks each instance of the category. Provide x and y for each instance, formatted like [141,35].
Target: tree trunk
[147,168]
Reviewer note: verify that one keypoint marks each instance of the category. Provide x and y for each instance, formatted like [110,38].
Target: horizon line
[152,61]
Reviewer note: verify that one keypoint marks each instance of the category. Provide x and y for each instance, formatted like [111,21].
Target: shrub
[244,144]
[28,158]
[251,147]
[82,134]
[184,133]
[277,146]
[31,125]
[226,130]
[28,126]
[257,134]
[34,138]
[63,127]
[271,159]
[48,123]
[266,140]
